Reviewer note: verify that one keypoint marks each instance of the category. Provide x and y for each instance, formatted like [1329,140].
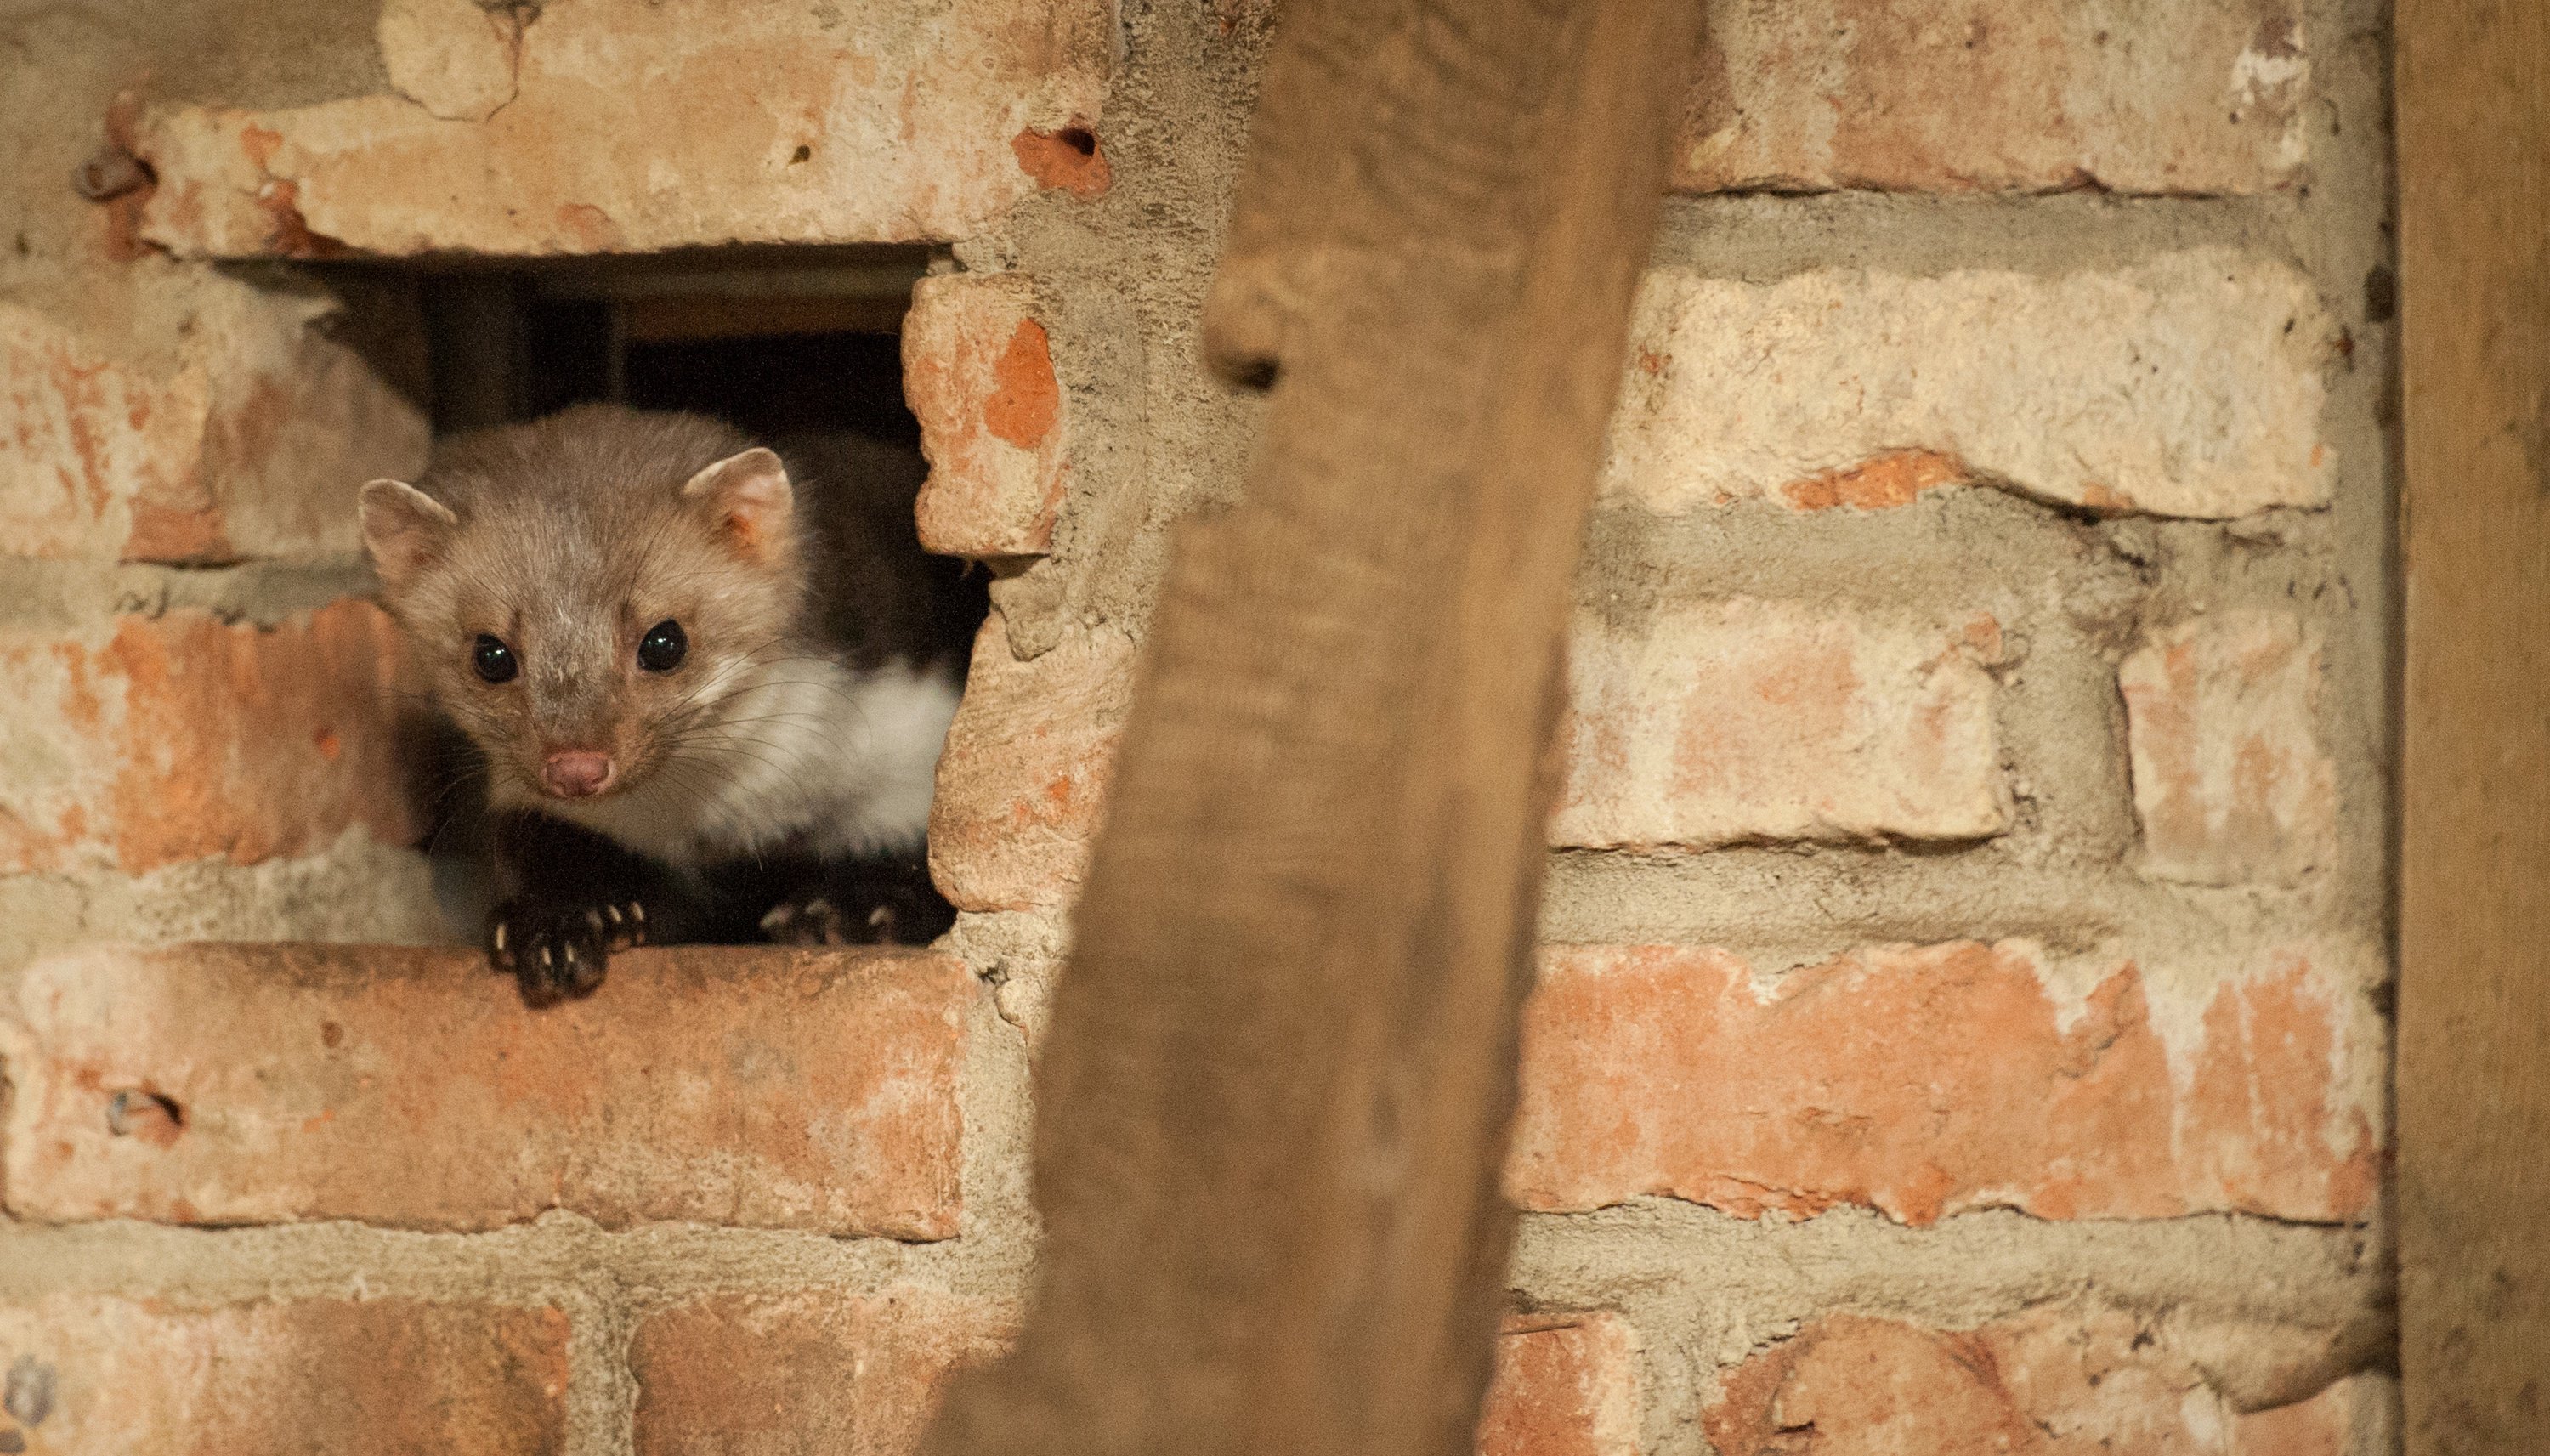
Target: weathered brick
[90,452]
[857,1375]
[978,373]
[1712,722]
[768,1088]
[250,442]
[2053,1380]
[1023,777]
[453,58]
[1067,158]
[2344,1419]
[2180,96]
[862,1373]
[2230,778]
[627,129]
[1563,1386]
[97,1376]
[183,737]
[2189,385]
[1925,1081]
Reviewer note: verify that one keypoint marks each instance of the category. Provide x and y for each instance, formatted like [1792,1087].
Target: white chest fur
[840,761]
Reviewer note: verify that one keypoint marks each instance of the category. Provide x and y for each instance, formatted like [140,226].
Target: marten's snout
[574,773]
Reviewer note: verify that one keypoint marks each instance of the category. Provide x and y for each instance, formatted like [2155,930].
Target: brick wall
[1964,1021]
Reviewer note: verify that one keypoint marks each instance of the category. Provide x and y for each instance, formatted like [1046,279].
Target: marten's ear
[746,497]
[403,528]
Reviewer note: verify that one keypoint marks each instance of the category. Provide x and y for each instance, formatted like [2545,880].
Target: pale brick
[638,125]
[183,737]
[1926,1081]
[767,1088]
[88,450]
[978,373]
[251,441]
[2350,1418]
[1712,723]
[854,1375]
[2053,1380]
[299,421]
[2230,781]
[2185,96]
[284,1378]
[1563,1386]
[1024,778]
[453,58]
[357,889]
[2189,385]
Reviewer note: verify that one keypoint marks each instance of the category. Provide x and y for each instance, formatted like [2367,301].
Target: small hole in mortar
[29,1394]
[136,1112]
[1078,138]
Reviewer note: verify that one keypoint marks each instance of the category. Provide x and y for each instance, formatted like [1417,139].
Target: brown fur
[774,781]
[571,537]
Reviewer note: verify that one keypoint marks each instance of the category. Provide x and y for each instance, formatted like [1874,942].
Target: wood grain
[2472,85]
[1274,1099]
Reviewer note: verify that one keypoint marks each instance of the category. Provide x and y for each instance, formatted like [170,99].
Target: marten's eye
[661,648]
[493,660]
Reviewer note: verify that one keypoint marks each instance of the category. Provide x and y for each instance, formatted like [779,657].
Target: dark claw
[561,951]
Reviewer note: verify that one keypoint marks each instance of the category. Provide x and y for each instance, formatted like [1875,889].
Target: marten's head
[583,593]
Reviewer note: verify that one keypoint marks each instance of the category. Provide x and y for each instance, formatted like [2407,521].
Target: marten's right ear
[403,528]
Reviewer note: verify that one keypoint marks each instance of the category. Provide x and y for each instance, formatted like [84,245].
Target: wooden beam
[2472,85]
[1273,1104]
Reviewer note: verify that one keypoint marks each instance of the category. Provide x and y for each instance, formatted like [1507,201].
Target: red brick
[2054,1381]
[1563,1386]
[1069,160]
[978,373]
[1925,1081]
[1715,723]
[1974,95]
[287,1378]
[760,1375]
[1024,778]
[768,1088]
[2187,384]
[2230,781]
[250,443]
[1895,478]
[626,131]
[183,737]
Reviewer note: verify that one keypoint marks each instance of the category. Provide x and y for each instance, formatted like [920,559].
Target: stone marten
[709,682]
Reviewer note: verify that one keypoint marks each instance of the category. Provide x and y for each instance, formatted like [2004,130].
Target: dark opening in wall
[769,341]
[783,344]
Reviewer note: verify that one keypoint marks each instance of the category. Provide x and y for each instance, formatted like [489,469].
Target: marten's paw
[811,919]
[560,950]
[863,906]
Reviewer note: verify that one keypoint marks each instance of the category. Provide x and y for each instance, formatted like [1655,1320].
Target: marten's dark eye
[494,660]
[661,648]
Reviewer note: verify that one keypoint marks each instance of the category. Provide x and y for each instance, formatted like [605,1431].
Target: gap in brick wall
[776,340]
[773,339]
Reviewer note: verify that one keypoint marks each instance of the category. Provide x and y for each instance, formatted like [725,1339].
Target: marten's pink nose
[575,772]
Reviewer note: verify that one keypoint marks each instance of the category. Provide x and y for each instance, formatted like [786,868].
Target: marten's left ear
[746,497]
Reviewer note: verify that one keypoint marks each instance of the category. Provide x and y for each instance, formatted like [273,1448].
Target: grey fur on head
[566,539]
